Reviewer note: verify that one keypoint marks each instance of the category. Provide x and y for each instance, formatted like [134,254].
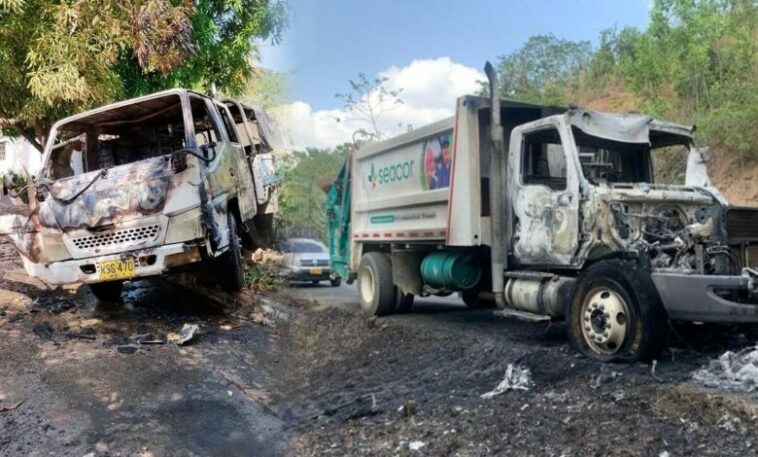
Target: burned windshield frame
[612,162]
[116,135]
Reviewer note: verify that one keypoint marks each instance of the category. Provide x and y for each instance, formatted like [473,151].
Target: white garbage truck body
[554,215]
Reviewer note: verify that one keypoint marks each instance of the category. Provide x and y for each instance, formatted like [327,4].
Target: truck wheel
[472,300]
[231,275]
[403,301]
[616,314]
[375,284]
[107,291]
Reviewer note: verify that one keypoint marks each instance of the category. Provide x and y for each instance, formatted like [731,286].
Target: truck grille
[318,263]
[117,237]
[742,224]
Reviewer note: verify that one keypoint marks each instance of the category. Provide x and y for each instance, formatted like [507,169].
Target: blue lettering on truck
[390,173]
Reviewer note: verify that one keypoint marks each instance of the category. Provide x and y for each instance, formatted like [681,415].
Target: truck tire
[375,286]
[107,291]
[403,301]
[231,274]
[616,314]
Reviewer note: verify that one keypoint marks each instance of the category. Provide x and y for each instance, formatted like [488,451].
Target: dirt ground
[301,372]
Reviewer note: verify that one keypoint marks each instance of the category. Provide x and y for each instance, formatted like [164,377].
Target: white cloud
[429,89]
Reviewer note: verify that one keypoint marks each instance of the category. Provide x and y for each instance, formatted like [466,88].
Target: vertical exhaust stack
[498,199]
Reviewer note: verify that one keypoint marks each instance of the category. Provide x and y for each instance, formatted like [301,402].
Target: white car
[306,259]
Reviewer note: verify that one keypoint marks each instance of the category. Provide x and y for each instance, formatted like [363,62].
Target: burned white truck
[546,212]
[144,186]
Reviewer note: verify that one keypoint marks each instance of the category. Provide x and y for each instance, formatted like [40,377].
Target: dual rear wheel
[378,295]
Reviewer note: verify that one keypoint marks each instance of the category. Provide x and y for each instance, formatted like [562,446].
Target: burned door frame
[546,225]
[249,157]
[239,169]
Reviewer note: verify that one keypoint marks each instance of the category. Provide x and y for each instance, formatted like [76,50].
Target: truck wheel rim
[367,285]
[605,320]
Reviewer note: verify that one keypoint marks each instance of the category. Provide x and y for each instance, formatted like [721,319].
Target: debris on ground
[126,349]
[230,327]
[149,338]
[408,409]
[83,334]
[57,306]
[264,271]
[267,256]
[43,330]
[257,318]
[416,445]
[605,378]
[732,371]
[185,334]
[360,407]
[516,378]
[5,409]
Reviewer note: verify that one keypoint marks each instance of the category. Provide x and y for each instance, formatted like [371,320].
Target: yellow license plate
[116,269]
[316,271]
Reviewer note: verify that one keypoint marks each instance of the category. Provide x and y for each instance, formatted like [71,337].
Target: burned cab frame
[143,186]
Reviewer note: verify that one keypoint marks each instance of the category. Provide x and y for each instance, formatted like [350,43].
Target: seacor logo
[390,173]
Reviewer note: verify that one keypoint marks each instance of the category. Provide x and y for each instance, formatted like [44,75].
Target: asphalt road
[346,296]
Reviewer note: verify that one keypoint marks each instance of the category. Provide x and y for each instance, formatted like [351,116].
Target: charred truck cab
[546,212]
[143,186]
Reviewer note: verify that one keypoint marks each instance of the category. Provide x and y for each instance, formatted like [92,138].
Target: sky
[433,50]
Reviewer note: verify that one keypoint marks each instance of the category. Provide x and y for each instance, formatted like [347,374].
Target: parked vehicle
[546,212]
[144,186]
[306,259]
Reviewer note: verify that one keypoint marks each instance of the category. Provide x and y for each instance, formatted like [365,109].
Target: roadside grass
[263,271]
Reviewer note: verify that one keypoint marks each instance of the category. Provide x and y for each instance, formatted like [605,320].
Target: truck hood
[114,195]
[98,202]
[120,194]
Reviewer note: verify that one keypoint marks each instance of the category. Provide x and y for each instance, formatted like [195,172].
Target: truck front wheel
[616,314]
[231,273]
[375,286]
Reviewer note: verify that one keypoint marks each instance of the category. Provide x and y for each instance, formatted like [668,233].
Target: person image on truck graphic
[443,168]
[437,162]
[431,152]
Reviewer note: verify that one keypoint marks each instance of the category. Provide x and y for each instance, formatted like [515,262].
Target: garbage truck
[546,213]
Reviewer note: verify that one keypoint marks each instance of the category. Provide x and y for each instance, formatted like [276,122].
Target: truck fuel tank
[451,270]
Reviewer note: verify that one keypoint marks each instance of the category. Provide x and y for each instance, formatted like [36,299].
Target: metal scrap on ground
[185,334]
[516,378]
[732,371]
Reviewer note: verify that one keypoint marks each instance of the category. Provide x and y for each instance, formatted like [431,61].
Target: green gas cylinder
[451,270]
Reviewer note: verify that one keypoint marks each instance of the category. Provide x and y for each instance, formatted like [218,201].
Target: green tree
[60,57]
[367,101]
[541,68]
[305,173]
